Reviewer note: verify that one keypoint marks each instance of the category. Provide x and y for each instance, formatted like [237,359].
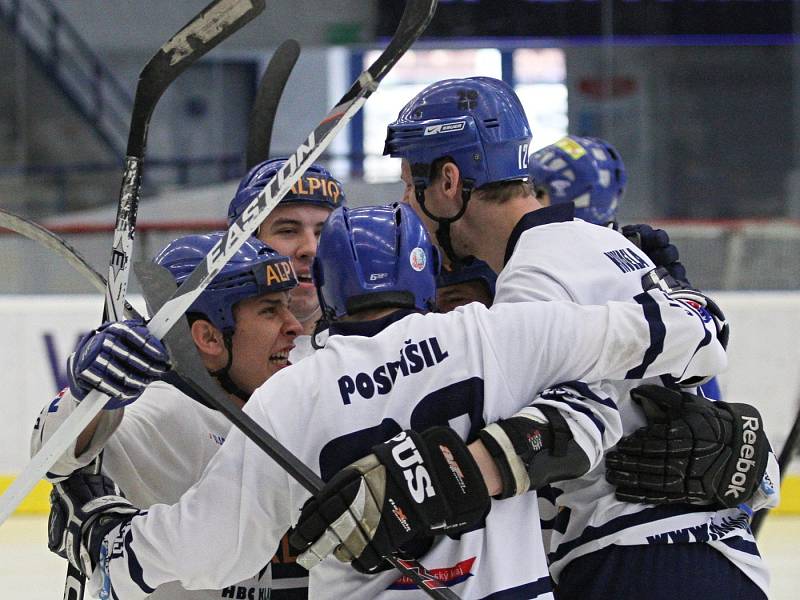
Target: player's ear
[209,341]
[450,180]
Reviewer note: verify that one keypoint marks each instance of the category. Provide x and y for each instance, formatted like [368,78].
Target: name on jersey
[626,260]
[414,357]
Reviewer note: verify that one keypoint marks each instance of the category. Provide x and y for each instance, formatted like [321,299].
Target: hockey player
[471,280]
[590,173]
[158,447]
[292,229]
[386,370]
[465,144]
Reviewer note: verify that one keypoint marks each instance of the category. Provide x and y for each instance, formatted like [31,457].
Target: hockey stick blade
[157,285]
[46,238]
[268,97]
[214,23]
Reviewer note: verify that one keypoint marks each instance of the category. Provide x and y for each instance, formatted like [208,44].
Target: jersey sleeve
[52,416]
[539,344]
[227,510]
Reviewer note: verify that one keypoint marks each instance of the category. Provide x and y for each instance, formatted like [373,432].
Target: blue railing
[90,86]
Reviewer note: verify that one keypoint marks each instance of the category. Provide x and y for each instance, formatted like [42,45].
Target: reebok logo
[746,453]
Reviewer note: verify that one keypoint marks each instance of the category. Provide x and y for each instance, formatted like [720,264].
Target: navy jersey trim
[657,333]
[527,590]
[648,515]
[557,213]
[585,391]
[134,567]
[368,328]
[741,544]
[577,407]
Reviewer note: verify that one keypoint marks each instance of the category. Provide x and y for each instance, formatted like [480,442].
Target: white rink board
[39,332]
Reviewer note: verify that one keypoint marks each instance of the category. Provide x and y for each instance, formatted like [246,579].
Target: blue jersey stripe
[657,333]
[585,391]
[742,545]
[576,407]
[533,589]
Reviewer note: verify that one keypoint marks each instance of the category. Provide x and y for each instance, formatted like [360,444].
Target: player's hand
[119,359]
[411,486]
[691,450]
[655,243]
[83,509]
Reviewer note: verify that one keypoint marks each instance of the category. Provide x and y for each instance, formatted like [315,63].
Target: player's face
[293,230]
[459,294]
[435,202]
[264,335]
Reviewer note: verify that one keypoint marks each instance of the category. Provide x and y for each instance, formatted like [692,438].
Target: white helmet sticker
[444,128]
[418,259]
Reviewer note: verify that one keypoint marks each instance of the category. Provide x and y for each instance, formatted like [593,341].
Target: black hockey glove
[412,486]
[691,450]
[655,243]
[530,453]
[83,509]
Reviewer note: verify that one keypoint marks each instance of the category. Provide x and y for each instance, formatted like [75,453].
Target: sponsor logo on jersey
[414,357]
[242,592]
[449,576]
[745,462]
[418,259]
[626,260]
[704,532]
[378,276]
[444,128]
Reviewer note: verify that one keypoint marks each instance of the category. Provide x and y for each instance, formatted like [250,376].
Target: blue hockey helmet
[374,257]
[469,269]
[586,171]
[479,122]
[316,186]
[255,269]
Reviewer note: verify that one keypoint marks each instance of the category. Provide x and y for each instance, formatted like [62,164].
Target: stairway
[67,60]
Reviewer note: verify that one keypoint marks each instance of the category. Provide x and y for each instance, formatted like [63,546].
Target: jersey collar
[368,328]
[555,213]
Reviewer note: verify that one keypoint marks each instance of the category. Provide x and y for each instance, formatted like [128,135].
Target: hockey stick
[785,458]
[214,23]
[265,107]
[157,285]
[416,16]
[51,241]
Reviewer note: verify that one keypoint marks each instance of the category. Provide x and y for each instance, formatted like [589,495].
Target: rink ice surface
[28,571]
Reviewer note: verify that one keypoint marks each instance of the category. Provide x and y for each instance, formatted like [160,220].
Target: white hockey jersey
[550,256]
[462,369]
[155,453]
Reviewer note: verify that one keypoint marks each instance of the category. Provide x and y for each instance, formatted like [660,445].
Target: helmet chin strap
[443,231]
[223,375]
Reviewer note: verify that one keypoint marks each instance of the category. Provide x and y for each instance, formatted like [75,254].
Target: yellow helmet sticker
[571,147]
